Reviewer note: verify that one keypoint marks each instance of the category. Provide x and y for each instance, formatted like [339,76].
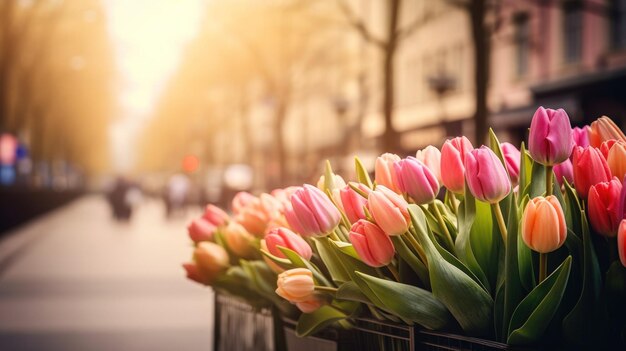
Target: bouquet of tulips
[522,246]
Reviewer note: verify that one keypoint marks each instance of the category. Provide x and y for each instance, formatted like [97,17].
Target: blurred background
[167,105]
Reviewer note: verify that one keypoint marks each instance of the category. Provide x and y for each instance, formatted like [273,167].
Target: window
[572,31]
[522,43]
[618,24]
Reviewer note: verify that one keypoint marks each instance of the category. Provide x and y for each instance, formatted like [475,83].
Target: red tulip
[590,168]
[371,244]
[602,205]
[453,163]
[621,242]
[352,202]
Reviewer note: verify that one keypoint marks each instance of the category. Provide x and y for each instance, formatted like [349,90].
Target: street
[74,279]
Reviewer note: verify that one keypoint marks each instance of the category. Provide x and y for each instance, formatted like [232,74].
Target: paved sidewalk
[77,280]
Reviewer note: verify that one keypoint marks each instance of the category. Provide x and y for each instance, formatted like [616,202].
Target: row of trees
[56,88]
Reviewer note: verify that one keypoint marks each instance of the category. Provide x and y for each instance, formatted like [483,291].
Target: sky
[148,37]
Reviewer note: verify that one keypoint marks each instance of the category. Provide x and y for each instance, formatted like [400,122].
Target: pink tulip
[581,136]
[194,274]
[417,180]
[453,163]
[590,168]
[390,210]
[564,170]
[385,173]
[201,230]
[288,239]
[431,157]
[486,176]
[550,139]
[353,203]
[241,200]
[512,157]
[215,215]
[372,245]
[621,242]
[602,206]
[312,212]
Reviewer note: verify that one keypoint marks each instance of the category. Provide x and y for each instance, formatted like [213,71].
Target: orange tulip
[604,129]
[621,242]
[296,285]
[210,260]
[543,224]
[617,160]
[239,240]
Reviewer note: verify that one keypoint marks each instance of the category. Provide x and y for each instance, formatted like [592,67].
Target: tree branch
[360,25]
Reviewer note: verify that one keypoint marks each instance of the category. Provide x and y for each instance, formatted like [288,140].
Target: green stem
[416,246]
[549,176]
[394,271]
[543,266]
[500,219]
[454,202]
[443,226]
[326,289]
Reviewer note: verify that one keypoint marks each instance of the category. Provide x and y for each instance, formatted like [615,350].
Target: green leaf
[466,299]
[573,210]
[334,264]
[346,248]
[311,323]
[525,256]
[361,173]
[533,315]
[350,291]
[413,261]
[525,171]
[409,302]
[537,184]
[494,144]
[329,179]
[513,291]
[281,262]
[299,262]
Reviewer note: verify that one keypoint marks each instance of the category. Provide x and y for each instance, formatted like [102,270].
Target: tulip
[215,215]
[310,306]
[241,200]
[385,173]
[564,170]
[254,218]
[617,160]
[604,129]
[390,210]
[210,260]
[417,180]
[284,195]
[270,205]
[606,146]
[602,205]
[296,285]
[453,163]
[581,136]
[431,157]
[201,230]
[288,239]
[543,224]
[621,204]
[621,242]
[193,273]
[239,240]
[352,202]
[372,245]
[512,157]
[550,139]
[275,267]
[312,212]
[485,175]
[590,168]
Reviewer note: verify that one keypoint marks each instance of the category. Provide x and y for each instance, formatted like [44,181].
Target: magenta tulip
[390,210]
[550,140]
[353,203]
[590,168]
[372,245]
[288,239]
[564,170]
[512,157]
[417,180]
[603,206]
[485,175]
[581,136]
[312,212]
[453,163]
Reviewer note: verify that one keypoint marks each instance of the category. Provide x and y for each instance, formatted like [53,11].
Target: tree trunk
[390,141]
[482,49]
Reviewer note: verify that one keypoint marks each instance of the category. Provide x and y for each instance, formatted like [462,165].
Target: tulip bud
[512,157]
[193,273]
[417,180]
[241,200]
[453,163]
[617,160]
[543,224]
[296,285]
[431,157]
[254,218]
[239,240]
[602,205]
[621,242]
[210,260]
[215,215]
[604,129]
[372,245]
[581,136]
[550,139]
[288,239]
[564,170]
[385,173]
[352,202]
[485,175]
[201,230]
[312,212]
[390,210]
[590,168]
[310,306]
